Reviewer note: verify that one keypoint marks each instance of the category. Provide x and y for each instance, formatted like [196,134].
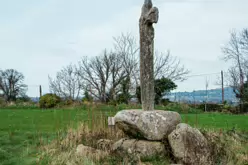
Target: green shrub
[113,102]
[211,107]
[49,101]
[182,108]
[4,155]
[68,102]
[23,99]
[122,107]
[2,102]
[87,97]
[165,102]
[245,107]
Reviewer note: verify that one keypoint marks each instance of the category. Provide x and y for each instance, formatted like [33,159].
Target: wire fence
[197,88]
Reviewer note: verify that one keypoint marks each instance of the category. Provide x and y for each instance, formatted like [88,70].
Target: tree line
[114,74]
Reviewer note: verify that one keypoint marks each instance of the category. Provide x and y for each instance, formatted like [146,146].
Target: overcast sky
[38,38]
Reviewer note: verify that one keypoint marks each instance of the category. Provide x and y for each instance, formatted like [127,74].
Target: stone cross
[149,15]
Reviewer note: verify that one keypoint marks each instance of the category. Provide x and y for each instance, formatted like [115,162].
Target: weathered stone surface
[90,152]
[148,16]
[139,148]
[189,146]
[104,144]
[151,125]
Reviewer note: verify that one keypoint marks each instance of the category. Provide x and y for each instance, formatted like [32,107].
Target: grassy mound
[25,129]
[227,147]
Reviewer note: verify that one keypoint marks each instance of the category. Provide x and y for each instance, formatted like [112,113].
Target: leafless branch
[170,67]
[67,83]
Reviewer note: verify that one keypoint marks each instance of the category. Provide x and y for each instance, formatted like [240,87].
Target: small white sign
[111,121]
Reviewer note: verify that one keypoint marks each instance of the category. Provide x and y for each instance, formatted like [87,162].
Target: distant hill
[200,96]
[35,99]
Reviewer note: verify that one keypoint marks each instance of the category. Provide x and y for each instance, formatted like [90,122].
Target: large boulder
[140,148]
[189,146]
[89,152]
[151,125]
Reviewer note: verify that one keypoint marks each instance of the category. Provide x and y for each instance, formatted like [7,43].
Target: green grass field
[23,131]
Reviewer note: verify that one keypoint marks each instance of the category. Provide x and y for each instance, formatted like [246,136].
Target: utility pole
[222,86]
[40,91]
[206,100]
[194,97]
[175,97]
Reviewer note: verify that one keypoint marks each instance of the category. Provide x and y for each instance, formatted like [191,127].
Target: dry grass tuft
[227,148]
[64,151]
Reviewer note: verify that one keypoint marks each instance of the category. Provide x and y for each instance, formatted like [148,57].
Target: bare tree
[118,74]
[169,67]
[86,71]
[67,83]
[234,51]
[126,47]
[105,74]
[11,84]
[165,64]
[96,72]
